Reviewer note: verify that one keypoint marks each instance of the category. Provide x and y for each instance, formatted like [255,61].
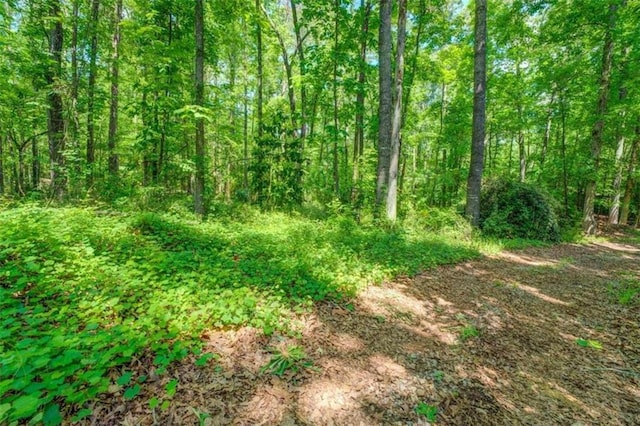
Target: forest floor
[535,336]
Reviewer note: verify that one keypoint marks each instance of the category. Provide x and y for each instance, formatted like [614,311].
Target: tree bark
[474,181]
[396,126]
[631,181]
[91,89]
[113,108]
[260,73]
[614,211]
[336,165]
[198,193]
[358,142]
[303,69]
[589,222]
[1,166]
[55,121]
[385,102]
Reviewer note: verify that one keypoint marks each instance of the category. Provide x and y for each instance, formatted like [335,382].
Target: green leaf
[124,379]
[52,416]
[25,406]
[165,405]
[202,361]
[4,408]
[153,402]
[132,392]
[171,388]
[589,343]
[85,412]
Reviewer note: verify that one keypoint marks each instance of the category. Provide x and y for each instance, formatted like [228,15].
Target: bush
[518,210]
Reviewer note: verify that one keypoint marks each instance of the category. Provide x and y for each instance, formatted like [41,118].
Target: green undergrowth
[83,292]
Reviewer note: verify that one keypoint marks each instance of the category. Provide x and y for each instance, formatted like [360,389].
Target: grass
[83,292]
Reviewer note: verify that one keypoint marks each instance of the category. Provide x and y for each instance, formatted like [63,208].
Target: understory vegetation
[83,291]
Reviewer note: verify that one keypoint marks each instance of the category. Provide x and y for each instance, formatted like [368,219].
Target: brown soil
[402,344]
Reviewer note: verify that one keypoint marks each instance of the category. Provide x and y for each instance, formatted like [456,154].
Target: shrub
[518,210]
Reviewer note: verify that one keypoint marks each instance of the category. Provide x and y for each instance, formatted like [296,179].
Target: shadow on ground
[492,341]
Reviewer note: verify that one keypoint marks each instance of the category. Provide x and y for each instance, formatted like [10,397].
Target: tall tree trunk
[474,182]
[392,187]
[358,142]
[91,89]
[113,108]
[260,73]
[589,222]
[631,181]
[614,211]
[303,70]
[547,131]
[385,102]
[336,165]
[75,83]
[565,178]
[1,165]
[198,193]
[55,121]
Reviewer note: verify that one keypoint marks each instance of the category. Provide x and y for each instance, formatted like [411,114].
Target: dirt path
[402,345]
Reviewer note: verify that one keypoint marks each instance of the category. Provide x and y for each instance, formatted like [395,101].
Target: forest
[217,200]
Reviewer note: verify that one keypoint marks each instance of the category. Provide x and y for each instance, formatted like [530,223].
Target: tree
[385,102]
[396,125]
[474,182]
[115,80]
[55,117]
[589,222]
[198,192]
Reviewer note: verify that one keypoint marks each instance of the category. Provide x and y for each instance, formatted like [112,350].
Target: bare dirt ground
[403,343]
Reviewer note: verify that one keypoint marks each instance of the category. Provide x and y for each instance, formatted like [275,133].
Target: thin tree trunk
[198,193]
[2,166]
[35,163]
[303,70]
[547,131]
[474,182]
[386,102]
[614,211]
[358,143]
[565,178]
[260,72]
[91,89]
[336,166]
[631,181]
[392,187]
[113,108]
[589,222]
[75,119]
[55,121]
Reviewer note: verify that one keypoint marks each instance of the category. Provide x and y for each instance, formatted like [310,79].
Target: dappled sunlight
[382,300]
[520,258]
[270,404]
[537,293]
[347,343]
[430,329]
[242,348]
[618,247]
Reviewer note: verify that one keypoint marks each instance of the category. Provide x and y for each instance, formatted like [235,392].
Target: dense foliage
[511,209]
[83,291]
[290,105]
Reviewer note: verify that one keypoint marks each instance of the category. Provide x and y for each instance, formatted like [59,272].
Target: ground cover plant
[83,292]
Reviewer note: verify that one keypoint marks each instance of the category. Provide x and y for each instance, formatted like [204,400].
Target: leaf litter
[549,344]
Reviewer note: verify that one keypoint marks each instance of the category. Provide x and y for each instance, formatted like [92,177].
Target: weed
[290,358]
[625,290]
[468,332]
[83,293]
[429,411]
